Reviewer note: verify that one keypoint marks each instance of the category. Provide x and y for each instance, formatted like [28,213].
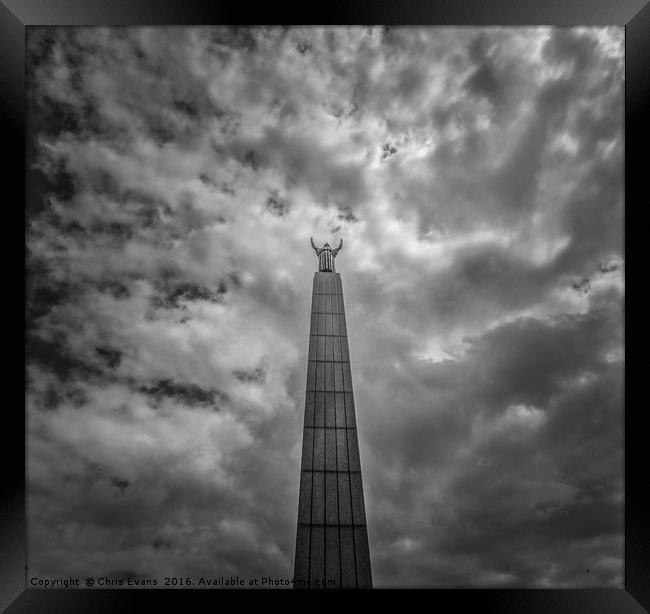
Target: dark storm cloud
[276,204]
[187,394]
[476,177]
[251,375]
[565,504]
[306,163]
[110,355]
[174,294]
[490,274]
[525,361]
[484,79]
[387,151]
[519,480]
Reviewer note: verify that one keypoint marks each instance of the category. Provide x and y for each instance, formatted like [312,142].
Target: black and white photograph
[325,307]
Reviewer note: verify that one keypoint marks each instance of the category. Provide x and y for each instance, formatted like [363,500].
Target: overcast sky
[475,176]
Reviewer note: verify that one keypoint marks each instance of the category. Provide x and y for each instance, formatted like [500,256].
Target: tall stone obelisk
[332,537]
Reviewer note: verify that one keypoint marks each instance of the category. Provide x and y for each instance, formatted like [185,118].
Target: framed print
[339,305]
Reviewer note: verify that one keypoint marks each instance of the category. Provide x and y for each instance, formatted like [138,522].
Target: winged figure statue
[326,256]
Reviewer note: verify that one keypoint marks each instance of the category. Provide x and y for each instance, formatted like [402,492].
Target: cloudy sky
[475,176]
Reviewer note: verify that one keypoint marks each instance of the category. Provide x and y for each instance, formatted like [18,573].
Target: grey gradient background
[476,177]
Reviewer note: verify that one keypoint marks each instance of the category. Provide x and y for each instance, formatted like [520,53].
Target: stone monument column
[332,538]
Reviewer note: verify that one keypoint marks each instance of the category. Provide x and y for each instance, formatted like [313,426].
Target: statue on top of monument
[326,256]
